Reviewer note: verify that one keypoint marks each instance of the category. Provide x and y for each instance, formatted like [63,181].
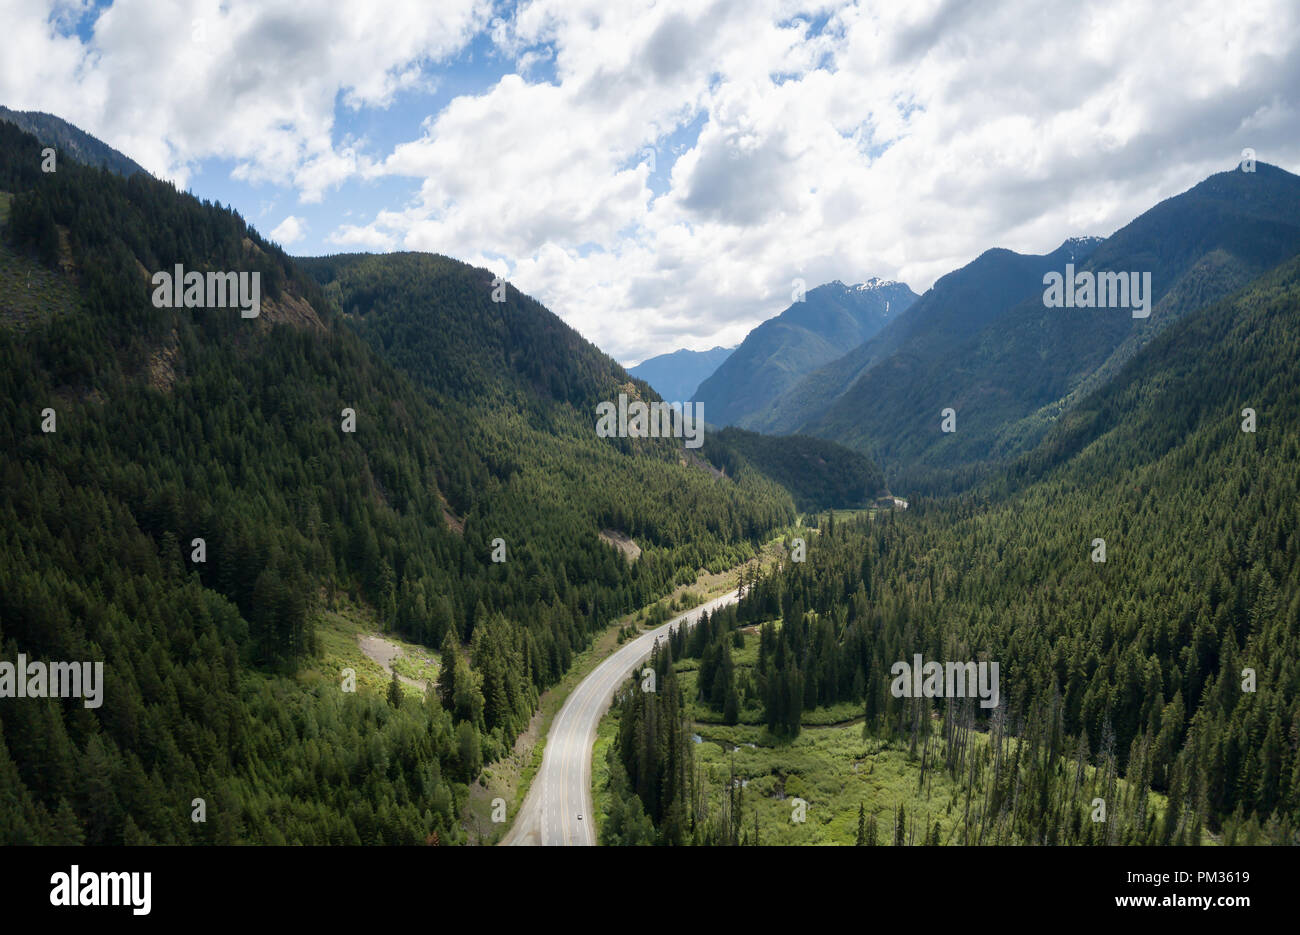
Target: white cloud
[254,81]
[289,231]
[899,140]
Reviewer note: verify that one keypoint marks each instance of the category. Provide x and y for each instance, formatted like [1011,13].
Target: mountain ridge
[1013,368]
[808,333]
[57,132]
[957,304]
[678,374]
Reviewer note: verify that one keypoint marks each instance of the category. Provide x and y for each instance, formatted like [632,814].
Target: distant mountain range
[958,305]
[676,376]
[983,343]
[782,350]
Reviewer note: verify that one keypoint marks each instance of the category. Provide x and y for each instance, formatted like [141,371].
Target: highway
[561,790]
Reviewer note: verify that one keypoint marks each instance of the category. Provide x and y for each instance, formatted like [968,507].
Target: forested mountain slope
[176,424]
[524,385]
[80,145]
[819,474]
[956,307]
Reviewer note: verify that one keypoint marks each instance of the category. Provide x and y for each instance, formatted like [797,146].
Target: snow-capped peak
[874,283]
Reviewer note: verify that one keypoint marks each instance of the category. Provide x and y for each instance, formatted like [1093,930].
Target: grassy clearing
[337,632]
[833,770]
[830,766]
[840,515]
[29,292]
[419,663]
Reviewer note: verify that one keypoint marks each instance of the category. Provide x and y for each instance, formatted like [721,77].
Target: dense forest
[1168,672]
[819,474]
[172,426]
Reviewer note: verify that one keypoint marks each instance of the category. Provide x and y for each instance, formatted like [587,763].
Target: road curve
[561,790]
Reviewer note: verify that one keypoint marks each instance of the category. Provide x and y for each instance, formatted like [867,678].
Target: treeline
[805,660]
[658,793]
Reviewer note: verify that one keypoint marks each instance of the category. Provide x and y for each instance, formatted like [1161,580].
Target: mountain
[676,376]
[217,507]
[57,132]
[1018,365]
[776,354]
[956,307]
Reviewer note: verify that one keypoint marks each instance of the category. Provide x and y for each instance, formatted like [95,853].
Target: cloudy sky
[659,173]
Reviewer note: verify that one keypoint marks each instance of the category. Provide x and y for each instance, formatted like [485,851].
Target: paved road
[561,791]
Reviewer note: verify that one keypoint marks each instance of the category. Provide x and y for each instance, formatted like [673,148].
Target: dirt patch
[623,542]
[386,653]
[455,525]
[162,365]
[689,458]
[291,310]
[66,264]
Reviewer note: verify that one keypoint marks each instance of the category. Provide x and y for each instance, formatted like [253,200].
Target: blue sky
[659,172]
